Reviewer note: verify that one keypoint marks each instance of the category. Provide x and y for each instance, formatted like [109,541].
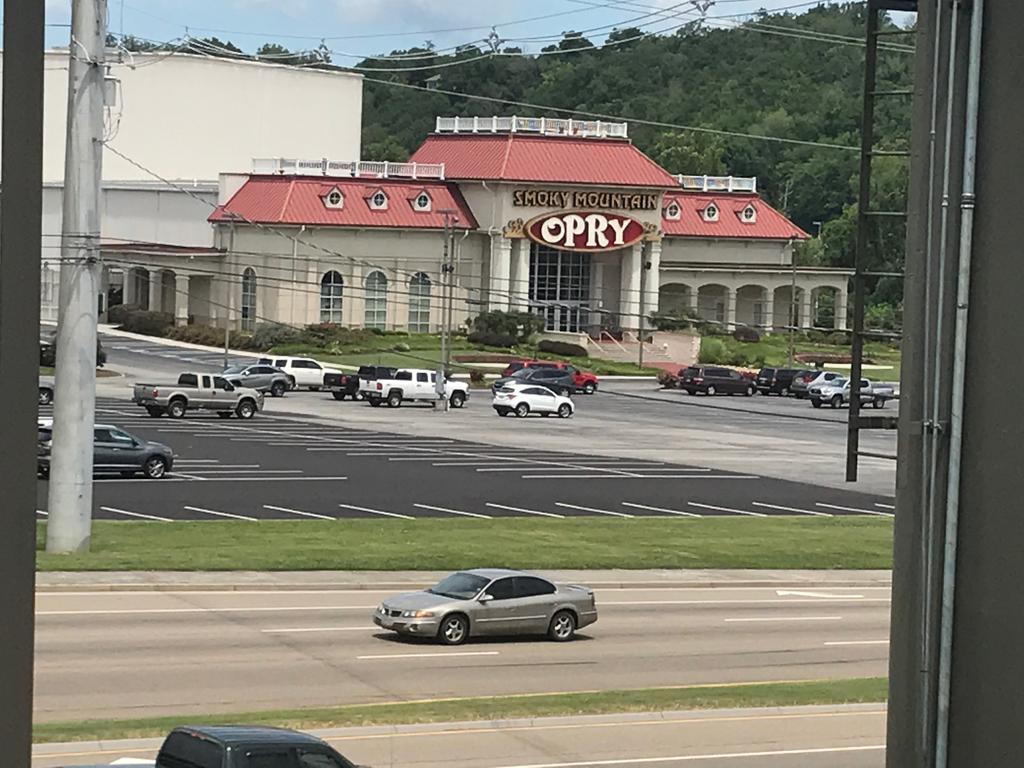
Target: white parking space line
[177,474]
[197,461]
[726,509]
[592,509]
[660,509]
[475,463]
[221,514]
[858,642]
[217,467]
[126,513]
[42,513]
[765,505]
[298,630]
[426,655]
[298,512]
[745,619]
[526,468]
[417,458]
[220,471]
[524,511]
[854,509]
[454,511]
[376,511]
[238,479]
[885,506]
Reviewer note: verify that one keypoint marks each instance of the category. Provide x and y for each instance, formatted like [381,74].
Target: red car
[584,381]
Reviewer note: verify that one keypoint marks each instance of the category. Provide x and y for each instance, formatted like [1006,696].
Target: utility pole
[446,289]
[20,246]
[69,525]
[646,265]
[792,306]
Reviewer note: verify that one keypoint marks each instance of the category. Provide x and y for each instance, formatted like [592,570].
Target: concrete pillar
[520,275]
[806,308]
[596,294]
[156,290]
[129,294]
[768,315]
[652,280]
[629,288]
[730,308]
[840,309]
[691,299]
[181,296]
[500,274]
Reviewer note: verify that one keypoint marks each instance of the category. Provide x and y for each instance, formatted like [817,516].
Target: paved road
[811,737]
[277,466]
[117,654]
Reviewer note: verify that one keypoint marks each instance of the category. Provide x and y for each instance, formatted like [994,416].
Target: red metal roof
[769,224]
[551,159]
[300,200]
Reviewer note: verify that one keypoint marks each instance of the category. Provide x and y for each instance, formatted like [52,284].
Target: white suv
[524,399]
[304,371]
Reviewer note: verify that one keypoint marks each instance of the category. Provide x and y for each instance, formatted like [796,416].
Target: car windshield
[460,586]
[838,382]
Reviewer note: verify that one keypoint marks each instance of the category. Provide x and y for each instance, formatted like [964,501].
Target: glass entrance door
[560,287]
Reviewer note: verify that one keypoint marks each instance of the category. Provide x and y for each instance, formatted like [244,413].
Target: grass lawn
[775,543]
[841,691]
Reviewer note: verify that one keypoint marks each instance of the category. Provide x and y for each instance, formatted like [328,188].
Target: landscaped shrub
[476,377]
[490,339]
[117,313]
[713,351]
[402,347]
[520,325]
[738,357]
[563,348]
[197,334]
[747,334]
[667,380]
[146,322]
[268,335]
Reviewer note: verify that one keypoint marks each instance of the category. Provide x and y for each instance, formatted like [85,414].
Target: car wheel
[45,396]
[338,395]
[394,399]
[750,391]
[784,392]
[878,403]
[836,401]
[589,388]
[224,414]
[522,410]
[375,402]
[246,409]
[816,402]
[711,391]
[154,411]
[454,630]
[176,409]
[277,389]
[690,391]
[562,627]
[155,467]
[458,399]
[564,392]
[564,411]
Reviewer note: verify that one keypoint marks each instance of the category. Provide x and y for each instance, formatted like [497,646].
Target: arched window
[331,286]
[376,311]
[419,303]
[248,299]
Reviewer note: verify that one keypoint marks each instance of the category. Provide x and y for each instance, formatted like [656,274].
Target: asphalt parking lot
[280,466]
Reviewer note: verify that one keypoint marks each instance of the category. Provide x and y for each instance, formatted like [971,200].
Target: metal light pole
[69,525]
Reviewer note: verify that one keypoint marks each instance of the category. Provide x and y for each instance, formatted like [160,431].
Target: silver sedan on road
[489,601]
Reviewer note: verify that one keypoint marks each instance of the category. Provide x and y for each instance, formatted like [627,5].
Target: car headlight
[417,614]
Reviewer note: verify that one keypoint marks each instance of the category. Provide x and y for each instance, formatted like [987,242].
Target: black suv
[227,746]
[778,381]
[709,380]
[558,380]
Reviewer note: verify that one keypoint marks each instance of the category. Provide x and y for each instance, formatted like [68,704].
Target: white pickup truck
[198,391]
[412,384]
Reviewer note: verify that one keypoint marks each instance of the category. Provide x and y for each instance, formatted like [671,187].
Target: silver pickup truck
[198,391]
[837,392]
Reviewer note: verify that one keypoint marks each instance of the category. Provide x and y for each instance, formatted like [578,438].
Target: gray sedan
[264,378]
[489,601]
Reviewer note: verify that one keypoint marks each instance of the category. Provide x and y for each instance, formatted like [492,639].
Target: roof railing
[547,126]
[719,183]
[380,169]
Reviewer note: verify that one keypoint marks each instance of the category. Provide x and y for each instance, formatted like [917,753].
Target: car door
[737,382]
[424,389]
[533,604]
[128,452]
[493,616]
[256,377]
[220,397]
[104,453]
[541,399]
[522,611]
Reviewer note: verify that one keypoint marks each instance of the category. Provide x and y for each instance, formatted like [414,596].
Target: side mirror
[485,598]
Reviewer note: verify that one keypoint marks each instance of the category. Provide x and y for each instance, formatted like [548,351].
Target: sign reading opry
[584,231]
[562,198]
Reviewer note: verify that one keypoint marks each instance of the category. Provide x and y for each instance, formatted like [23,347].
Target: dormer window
[711,212]
[672,211]
[749,214]
[379,201]
[334,199]
[421,202]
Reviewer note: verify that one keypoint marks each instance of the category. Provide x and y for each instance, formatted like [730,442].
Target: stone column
[768,315]
[156,290]
[691,299]
[730,309]
[629,287]
[128,287]
[520,256]
[806,309]
[500,282]
[181,295]
[840,309]
[652,280]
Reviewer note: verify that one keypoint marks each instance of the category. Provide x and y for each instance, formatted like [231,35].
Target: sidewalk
[154,581]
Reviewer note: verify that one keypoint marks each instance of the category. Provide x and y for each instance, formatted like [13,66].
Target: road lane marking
[801,601]
[125,512]
[173,474]
[220,471]
[194,461]
[220,467]
[298,630]
[376,511]
[854,509]
[426,655]
[525,511]
[222,514]
[660,509]
[174,611]
[746,619]
[790,509]
[454,511]
[592,466]
[592,509]
[858,642]
[702,758]
[727,509]
[298,512]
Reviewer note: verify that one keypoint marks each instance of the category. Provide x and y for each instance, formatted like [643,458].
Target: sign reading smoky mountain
[584,230]
[562,198]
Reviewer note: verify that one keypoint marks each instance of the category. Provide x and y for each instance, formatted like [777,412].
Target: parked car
[412,385]
[114,452]
[342,385]
[45,390]
[558,380]
[233,746]
[264,378]
[370,373]
[198,391]
[838,392]
[777,381]
[306,372]
[489,601]
[522,399]
[710,380]
[804,380]
[583,381]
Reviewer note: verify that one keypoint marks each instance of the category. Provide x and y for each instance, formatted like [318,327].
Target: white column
[652,280]
[806,309]
[128,291]
[629,287]
[730,309]
[181,295]
[156,290]
[691,299]
[840,309]
[596,292]
[500,274]
[768,314]
[520,275]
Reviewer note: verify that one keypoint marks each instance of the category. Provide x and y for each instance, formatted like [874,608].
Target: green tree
[690,153]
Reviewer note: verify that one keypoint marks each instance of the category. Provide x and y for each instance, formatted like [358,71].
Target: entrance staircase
[665,350]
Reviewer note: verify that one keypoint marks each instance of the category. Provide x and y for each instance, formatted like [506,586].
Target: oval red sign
[584,230]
